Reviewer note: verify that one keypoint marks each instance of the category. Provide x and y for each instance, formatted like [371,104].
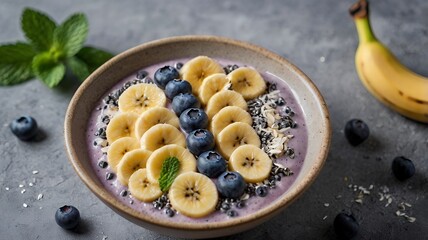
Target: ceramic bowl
[130,61]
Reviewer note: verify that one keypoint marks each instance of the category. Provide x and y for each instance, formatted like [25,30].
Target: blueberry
[231,185]
[67,217]
[176,86]
[184,101]
[25,128]
[356,131]
[192,119]
[261,191]
[165,74]
[199,141]
[403,168]
[345,226]
[211,164]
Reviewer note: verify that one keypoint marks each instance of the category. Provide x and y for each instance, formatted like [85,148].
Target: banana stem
[360,13]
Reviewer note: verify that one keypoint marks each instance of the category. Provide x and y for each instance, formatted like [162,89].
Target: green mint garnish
[51,48]
[168,173]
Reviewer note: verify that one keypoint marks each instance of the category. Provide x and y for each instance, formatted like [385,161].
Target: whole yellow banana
[383,75]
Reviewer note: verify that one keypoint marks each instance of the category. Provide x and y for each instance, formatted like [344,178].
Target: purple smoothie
[255,203]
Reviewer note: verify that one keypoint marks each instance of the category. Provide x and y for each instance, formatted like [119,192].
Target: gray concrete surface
[301,30]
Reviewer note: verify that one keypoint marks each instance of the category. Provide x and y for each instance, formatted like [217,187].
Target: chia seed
[169,212]
[178,65]
[231,213]
[141,75]
[261,191]
[102,164]
[105,119]
[240,204]
[124,193]
[109,176]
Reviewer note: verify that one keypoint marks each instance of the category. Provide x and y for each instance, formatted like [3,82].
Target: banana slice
[223,99]
[247,82]
[118,149]
[227,116]
[140,97]
[131,162]
[235,135]
[197,69]
[155,116]
[212,85]
[155,161]
[121,125]
[142,188]
[193,195]
[251,162]
[160,135]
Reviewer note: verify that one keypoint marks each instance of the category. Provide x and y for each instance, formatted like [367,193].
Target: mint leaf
[78,67]
[38,28]
[48,69]
[168,173]
[16,53]
[71,34]
[93,57]
[15,73]
[15,63]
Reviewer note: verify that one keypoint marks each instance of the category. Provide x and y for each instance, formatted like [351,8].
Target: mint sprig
[51,48]
[168,173]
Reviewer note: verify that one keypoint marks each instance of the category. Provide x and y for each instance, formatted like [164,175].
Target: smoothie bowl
[197,136]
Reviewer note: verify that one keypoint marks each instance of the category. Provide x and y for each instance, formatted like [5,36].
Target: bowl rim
[276,207]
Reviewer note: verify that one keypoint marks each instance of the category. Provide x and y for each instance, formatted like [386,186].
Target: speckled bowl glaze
[130,61]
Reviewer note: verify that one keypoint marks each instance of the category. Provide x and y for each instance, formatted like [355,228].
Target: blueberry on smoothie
[176,86]
[184,101]
[165,74]
[25,128]
[403,168]
[67,217]
[211,164]
[356,131]
[345,226]
[231,185]
[199,141]
[192,119]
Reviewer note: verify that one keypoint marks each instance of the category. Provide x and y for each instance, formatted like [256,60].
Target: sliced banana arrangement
[197,69]
[153,116]
[193,195]
[119,148]
[248,82]
[121,125]
[251,162]
[141,97]
[227,116]
[148,149]
[131,162]
[156,159]
[235,135]
[223,99]
[161,135]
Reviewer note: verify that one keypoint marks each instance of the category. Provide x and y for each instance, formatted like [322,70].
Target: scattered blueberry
[67,217]
[211,164]
[184,101]
[345,226]
[356,131]
[25,128]
[403,168]
[102,164]
[261,191]
[231,185]
[199,141]
[165,74]
[176,86]
[192,119]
